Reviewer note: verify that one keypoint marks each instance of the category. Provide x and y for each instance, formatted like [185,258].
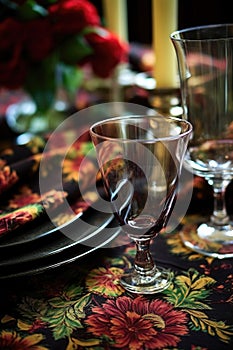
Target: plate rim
[45,266]
[32,239]
[38,254]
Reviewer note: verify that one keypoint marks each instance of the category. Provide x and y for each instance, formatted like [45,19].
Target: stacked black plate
[41,246]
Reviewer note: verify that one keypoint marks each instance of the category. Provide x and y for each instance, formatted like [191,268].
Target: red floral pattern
[105,281]
[8,177]
[19,167]
[138,323]
[11,221]
[83,306]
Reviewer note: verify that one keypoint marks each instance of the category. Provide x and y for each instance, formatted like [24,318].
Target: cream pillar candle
[115,13]
[164,22]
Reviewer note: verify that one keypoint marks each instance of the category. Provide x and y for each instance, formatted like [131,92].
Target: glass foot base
[134,283]
[207,240]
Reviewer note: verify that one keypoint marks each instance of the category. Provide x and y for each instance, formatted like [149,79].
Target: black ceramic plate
[27,234]
[104,238]
[77,233]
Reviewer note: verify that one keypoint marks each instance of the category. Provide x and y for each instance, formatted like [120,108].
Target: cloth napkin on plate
[21,198]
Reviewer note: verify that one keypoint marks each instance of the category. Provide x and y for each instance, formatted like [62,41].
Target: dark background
[190,13]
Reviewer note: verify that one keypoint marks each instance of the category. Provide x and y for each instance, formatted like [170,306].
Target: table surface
[81,305]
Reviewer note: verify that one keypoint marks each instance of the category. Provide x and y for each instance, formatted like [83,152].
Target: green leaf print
[190,290]
[65,312]
[32,309]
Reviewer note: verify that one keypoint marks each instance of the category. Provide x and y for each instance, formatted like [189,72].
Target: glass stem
[219,216]
[143,263]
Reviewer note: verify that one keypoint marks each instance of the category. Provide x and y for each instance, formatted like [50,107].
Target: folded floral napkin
[21,200]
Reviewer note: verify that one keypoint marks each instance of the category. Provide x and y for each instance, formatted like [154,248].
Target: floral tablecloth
[81,305]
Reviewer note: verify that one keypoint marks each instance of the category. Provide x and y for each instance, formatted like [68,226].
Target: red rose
[67,30]
[12,64]
[39,41]
[71,16]
[108,52]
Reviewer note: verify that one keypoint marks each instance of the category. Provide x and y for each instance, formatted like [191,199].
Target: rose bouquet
[46,41]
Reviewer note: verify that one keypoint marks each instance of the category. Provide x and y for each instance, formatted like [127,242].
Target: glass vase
[24,116]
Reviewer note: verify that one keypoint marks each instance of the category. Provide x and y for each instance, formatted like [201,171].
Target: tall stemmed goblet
[205,61]
[140,159]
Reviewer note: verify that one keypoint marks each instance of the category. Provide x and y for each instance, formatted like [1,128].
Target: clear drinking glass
[205,62]
[140,159]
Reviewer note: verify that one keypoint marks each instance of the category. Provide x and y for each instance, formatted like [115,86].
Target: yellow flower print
[8,177]
[13,341]
[105,281]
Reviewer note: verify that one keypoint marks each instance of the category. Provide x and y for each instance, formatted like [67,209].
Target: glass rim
[125,117]
[176,34]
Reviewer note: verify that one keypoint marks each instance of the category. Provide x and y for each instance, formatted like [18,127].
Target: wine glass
[140,159]
[205,62]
